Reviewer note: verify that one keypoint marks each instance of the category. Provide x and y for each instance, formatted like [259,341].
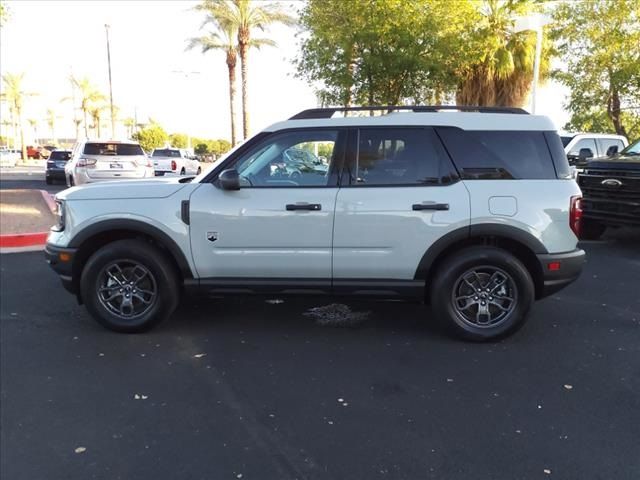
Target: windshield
[60,155]
[633,149]
[120,149]
[166,152]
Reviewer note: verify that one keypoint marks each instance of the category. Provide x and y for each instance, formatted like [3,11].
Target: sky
[49,40]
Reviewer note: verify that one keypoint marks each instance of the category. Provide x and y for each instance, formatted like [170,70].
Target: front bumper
[559,270]
[61,261]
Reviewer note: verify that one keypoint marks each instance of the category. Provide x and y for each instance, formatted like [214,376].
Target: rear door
[400,195]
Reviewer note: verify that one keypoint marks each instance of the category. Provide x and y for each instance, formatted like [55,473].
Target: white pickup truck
[176,161]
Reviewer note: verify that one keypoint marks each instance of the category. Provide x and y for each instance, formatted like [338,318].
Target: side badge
[212,236]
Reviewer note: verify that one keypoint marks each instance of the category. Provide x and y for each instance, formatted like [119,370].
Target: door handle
[314,207]
[430,206]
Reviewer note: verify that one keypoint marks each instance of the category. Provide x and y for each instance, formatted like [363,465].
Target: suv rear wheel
[482,293]
[128,286]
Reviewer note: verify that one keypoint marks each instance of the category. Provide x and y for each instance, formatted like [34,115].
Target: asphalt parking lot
[250,389]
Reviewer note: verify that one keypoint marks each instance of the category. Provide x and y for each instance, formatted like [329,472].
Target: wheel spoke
[142,299]
[137,278]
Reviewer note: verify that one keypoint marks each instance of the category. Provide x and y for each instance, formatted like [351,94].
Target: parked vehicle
[611,189]
[55,166]
[472,211]
[9,157]
[175,160]
[582,147]
[96,161]
[297,162]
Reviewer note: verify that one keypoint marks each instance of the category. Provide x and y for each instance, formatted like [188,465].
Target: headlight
[60,216]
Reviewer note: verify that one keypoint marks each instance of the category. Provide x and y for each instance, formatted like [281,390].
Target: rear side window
[120,149]
[609,146]
[166,152]
[60,155]
[401,156]
[499,154]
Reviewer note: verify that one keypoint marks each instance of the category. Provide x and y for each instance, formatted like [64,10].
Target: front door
[277,229]
[401,195]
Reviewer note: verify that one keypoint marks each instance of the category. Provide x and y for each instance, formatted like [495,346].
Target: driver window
[293,159]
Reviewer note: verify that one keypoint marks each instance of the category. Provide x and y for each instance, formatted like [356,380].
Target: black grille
[613,202]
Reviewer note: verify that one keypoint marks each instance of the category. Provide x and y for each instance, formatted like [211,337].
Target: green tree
[224,39]
[178,140]
[152,136]
[600,43]
[90,96]
[381,52]
[4,14]
[245,16]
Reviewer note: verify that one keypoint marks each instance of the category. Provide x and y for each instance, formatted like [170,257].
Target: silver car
[96,160]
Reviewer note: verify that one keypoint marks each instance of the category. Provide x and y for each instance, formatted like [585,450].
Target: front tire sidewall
[459,263]
[165,278]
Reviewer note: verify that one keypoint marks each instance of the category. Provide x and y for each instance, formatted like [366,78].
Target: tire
[591,230]
[134,258]
[183,171]
[452,289]
[48,180]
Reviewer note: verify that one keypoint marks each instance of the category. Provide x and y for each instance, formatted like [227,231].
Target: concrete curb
[48,198]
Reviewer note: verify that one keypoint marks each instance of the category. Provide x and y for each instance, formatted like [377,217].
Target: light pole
[113,120]
[535,22]
[186,76]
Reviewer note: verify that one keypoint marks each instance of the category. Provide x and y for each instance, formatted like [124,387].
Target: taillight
[86,162]
[575,215]
[174,165]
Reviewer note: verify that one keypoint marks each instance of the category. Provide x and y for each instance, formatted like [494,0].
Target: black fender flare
[478,230]
[139,227]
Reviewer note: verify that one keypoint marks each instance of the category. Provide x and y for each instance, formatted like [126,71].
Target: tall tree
[129,123]
[600,42]
[51,123]
[501,68]
[89,97]
[381,52]
[245,16]
[15,95]
[224,40]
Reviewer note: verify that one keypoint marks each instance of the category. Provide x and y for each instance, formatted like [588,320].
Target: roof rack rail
[330,111]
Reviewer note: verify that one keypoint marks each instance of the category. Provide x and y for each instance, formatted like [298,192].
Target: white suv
[98,160]
[471,211]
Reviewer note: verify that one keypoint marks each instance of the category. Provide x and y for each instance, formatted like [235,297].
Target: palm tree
[504,72]
[129,123]
[14,95]
[33,123]
[89,97]
[226,43]
[96,115]
[244,16]
[51,123]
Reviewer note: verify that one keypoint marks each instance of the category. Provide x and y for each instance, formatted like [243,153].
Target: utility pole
[113,120]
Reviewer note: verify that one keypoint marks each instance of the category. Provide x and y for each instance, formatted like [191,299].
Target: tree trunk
[86,131]
[231,64]
[244,67]
[614,111]
[22,144]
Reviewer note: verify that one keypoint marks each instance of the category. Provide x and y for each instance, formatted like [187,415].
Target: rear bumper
[560,269]
[55,257]
[57,173]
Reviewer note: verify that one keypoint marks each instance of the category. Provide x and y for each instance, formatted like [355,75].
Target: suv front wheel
[482,293]
[129,286]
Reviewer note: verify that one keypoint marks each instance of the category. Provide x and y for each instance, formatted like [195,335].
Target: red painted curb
[23,240]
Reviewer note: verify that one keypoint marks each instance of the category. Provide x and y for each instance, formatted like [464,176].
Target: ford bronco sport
[472,211]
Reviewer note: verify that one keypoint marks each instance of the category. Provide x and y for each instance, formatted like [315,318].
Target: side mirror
[585,153]
[229,179]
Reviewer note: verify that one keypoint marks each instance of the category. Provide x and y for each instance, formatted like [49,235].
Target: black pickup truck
[611,192]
